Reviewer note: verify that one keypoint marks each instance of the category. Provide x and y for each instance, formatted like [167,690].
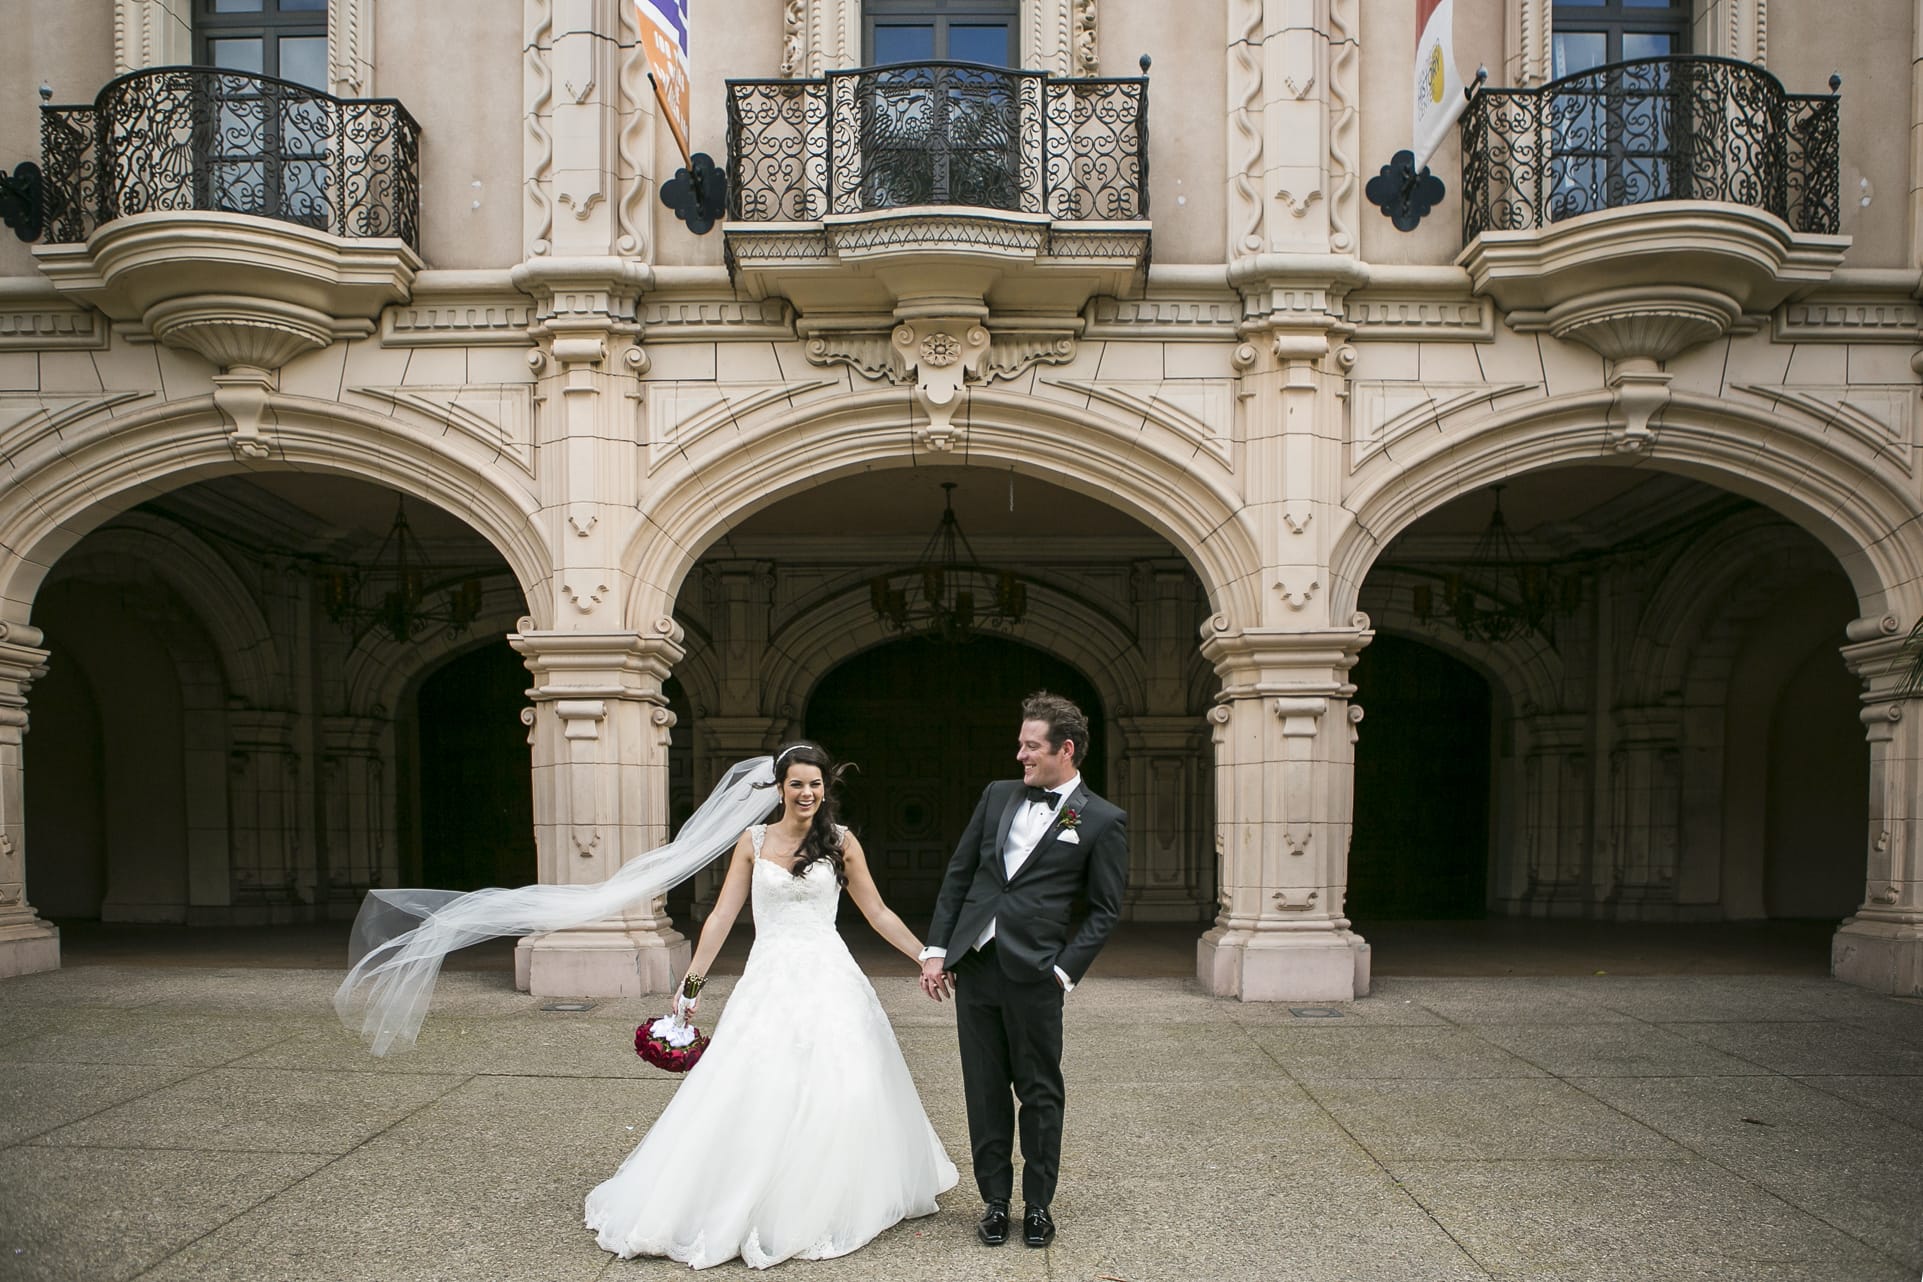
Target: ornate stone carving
[1245,119]
[939,356]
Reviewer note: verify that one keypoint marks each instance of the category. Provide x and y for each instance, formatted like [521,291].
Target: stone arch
[839,627]
[379,673]
[772,457]
[1526,669]
[101,464]
[1853,507]
[243,643]
[1693,598]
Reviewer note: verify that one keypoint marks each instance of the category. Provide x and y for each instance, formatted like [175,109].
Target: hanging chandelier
[1498,594]
[947,594]
[397,592]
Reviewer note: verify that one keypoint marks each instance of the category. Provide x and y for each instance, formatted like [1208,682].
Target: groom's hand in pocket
[934,978]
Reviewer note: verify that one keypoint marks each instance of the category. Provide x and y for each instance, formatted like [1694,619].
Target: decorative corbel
[1641,390]
[241,396]
[939,357]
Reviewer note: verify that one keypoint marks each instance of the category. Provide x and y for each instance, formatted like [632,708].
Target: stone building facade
[1597,487]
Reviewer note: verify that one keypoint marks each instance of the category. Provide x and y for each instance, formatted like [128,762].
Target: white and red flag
[1438,85]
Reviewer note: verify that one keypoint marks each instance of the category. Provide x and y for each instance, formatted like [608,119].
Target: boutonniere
[1069,818]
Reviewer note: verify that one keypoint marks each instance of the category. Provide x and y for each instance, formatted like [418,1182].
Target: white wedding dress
[800,1133]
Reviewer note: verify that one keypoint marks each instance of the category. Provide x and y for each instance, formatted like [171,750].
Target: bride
[799,1134]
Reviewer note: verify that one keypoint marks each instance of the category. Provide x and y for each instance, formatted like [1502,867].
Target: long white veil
[401,936]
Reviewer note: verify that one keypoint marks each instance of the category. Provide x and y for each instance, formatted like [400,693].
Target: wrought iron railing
[1651,130]
[197,138]
[938,133]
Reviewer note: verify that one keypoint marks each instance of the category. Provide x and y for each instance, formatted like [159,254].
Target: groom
[1010,936]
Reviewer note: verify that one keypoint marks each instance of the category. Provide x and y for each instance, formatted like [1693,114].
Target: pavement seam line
[1364,1149]
[1765,1190]
[191,1073]
[288,1188]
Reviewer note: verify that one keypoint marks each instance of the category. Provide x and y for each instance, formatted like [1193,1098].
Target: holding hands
[935,981]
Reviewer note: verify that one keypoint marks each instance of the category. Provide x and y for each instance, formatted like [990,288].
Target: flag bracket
[1404,193]
[698,194]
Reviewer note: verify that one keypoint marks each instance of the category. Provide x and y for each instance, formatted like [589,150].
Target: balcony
[942,186]
[1647,206]
[242,216]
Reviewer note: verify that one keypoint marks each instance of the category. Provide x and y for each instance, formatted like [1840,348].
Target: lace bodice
[785,901]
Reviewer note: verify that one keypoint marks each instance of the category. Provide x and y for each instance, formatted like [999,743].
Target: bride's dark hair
[823,840]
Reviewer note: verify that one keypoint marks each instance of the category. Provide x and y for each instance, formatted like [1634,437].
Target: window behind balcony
[934,134]
[264,150]
[940,30]
[1618,134]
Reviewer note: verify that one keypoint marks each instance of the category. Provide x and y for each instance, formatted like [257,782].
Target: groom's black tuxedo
[1032,910]
[1008,997]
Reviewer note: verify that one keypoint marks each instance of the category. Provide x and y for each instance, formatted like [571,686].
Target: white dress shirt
[1030,825]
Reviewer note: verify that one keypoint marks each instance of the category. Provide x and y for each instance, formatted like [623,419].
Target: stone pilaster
[1285,763]
[1162,788]
[600,727]
[1294,76]
[1645,771]
[1556,784]
[1881,946]
[27,943]
[359,810]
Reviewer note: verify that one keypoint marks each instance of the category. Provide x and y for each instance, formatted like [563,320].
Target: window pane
[236,55]
[1648,44]
[1650,4]
[983,43]
[904,43]
[236,6]
[302,6]
[1578,51]
[303,59]
[1579,4]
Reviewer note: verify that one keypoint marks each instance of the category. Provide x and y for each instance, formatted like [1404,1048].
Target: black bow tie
[1043,795]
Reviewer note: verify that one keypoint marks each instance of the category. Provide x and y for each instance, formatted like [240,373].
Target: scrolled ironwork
[938,133]
[1650,130]
[198,138]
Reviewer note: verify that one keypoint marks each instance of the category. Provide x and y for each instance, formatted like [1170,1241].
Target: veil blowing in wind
[401,936]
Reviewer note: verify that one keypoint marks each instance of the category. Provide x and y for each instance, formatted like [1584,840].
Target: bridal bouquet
[670,1042]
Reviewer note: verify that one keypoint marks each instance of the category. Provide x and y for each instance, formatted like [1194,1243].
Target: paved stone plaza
[170,1122]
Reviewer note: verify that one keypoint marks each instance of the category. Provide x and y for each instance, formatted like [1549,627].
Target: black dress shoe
[993,1229]
[1037,1228]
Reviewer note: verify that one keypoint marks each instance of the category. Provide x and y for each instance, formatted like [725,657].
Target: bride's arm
[861,889]
[727,906]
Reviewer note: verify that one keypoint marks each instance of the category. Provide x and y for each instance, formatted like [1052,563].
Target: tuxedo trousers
[1011,1050]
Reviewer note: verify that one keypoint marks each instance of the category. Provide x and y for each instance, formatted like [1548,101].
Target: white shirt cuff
[932,951]
[1068,985]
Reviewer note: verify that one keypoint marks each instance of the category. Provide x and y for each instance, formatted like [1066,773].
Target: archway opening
[928,725]
[1672,746]
[475,818]
[218,741]
[787,634]
[1420,843]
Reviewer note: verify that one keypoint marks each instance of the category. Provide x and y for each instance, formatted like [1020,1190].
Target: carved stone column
[1881,947]
[1285,763]
[599,732]
[27,943]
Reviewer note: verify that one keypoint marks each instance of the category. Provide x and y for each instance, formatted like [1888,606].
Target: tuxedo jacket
[1033,911]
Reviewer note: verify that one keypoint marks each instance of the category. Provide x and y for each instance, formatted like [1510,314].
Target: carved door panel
[929,726]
